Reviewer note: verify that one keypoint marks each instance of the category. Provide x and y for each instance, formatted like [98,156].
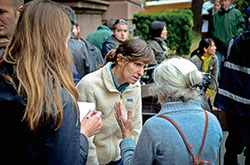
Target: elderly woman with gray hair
[182,132]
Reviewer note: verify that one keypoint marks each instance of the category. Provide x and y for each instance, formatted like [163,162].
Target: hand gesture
[125,124]
[91,123]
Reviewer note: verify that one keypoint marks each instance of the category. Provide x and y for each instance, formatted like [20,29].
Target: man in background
[225,24]
[10,10]
[77,48]
[233,98]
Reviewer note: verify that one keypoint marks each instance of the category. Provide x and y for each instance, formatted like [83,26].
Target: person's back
[233,98]
[236,79]
[99,36]
[95,56]
[80,56]
[163,139]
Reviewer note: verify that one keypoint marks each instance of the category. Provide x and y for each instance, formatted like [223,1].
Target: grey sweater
[161,143]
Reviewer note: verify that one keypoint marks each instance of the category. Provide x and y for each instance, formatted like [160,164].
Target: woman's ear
[205,50]
[119,58]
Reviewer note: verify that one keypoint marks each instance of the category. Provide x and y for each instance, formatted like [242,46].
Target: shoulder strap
[185,141]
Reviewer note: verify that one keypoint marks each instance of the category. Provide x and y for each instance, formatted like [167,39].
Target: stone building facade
[92,13]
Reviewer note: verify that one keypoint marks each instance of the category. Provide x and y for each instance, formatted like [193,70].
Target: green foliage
[243,5]
[179,25]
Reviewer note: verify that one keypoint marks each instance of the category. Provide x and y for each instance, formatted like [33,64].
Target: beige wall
[88,23]
[122,9]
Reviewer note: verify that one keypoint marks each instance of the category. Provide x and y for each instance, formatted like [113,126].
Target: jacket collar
[222,11]
[178,106]
[103,27]
[108,81]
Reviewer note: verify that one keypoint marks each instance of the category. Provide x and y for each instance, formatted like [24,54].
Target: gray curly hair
[175,79]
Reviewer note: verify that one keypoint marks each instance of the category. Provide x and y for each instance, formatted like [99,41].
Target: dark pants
[238,139]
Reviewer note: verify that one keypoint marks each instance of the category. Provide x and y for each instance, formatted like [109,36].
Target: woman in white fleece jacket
[117,81]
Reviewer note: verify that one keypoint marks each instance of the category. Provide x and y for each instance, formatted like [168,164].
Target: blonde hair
[41,62]
[175,79]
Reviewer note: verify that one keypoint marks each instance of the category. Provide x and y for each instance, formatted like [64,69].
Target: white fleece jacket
[98,87]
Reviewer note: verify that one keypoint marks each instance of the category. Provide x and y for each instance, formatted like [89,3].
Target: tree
[196,8]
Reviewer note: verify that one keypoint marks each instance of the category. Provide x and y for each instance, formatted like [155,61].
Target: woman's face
[216,6]
[132,71]
[211,50]
[164,33]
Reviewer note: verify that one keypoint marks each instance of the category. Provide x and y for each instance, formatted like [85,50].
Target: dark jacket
[234,90]
[80,56]
[45,146]
[95,56]
[110,43]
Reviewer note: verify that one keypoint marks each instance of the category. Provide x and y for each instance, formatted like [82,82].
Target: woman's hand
[91,123]
[125,124]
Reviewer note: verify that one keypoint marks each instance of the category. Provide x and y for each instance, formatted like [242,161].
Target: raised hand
[124,123]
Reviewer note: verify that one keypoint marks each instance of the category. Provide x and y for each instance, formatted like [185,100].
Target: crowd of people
[46,67]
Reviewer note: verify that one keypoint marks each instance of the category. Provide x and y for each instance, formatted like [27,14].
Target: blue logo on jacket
[129,100]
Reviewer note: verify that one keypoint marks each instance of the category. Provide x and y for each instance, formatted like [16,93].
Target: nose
[141,71]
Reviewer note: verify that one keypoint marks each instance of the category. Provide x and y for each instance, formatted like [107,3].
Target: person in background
[158,33]
[103,32]
[206,61]
[78,49]
[116,81]
[233,98]
[225,24]
[216,6]
[10,10]
[94,54]
[236,4]
[120,34]
[160,142]
[206,13]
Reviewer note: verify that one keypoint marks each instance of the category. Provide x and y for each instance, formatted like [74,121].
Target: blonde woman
[116,81]
[37,90]
[160,142]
